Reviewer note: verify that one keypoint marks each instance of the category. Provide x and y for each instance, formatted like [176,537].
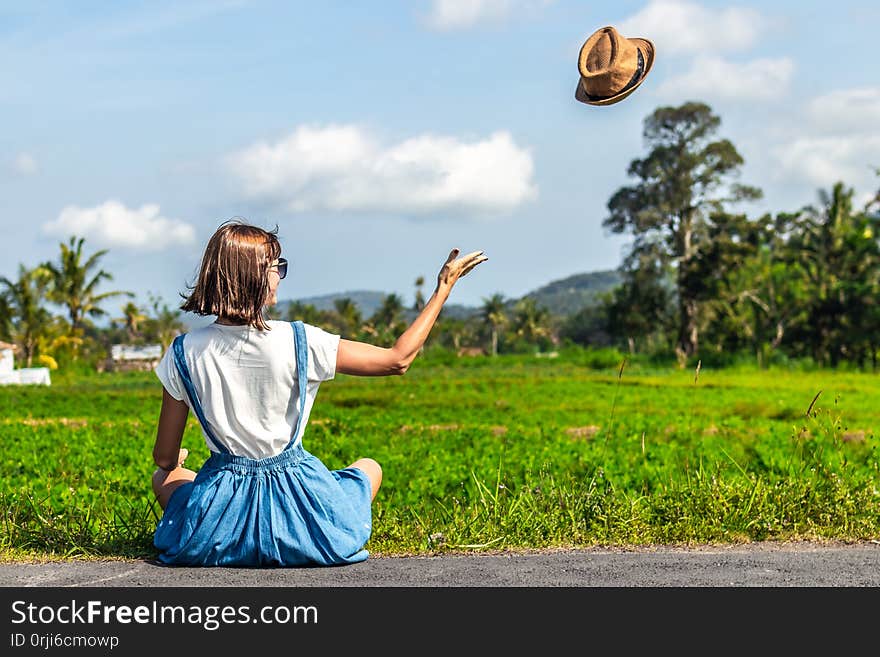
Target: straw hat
[612,66]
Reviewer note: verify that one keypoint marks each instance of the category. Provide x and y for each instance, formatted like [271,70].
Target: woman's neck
[225,321]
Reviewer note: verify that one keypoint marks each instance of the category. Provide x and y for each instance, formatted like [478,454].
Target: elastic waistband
[290,456]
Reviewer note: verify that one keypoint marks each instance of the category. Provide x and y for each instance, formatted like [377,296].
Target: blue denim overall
[284,510]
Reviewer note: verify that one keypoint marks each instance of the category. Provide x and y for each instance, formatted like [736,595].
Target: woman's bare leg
[165,482]
[374,473]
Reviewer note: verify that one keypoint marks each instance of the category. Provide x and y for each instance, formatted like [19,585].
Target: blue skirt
[285,510]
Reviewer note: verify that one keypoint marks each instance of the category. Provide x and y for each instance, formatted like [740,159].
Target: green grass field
[485,454]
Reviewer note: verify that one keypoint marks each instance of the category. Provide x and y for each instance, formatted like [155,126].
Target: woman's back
[245,380]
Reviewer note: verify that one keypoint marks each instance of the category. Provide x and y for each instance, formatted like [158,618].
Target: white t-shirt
[245,380]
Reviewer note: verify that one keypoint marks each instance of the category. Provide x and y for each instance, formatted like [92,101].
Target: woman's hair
[233,279]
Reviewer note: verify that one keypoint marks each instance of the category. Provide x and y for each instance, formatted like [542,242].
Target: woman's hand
[455,267]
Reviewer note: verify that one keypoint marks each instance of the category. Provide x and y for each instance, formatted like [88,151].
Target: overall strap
[183,370]
[302,370]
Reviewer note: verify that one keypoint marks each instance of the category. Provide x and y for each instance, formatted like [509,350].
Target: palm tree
[385,324]
[164,325]
[131,319]
[839,253]
[493,314]
[71,286]
[29,319]
[531,322]
[420,298]
[388,314]
[349,316]
[873,205]
[306,312]
[5,316]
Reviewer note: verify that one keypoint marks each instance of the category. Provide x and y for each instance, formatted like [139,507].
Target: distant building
[6,357]
[132,358]
[24,375]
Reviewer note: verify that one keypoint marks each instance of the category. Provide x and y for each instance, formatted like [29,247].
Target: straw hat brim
[647,49]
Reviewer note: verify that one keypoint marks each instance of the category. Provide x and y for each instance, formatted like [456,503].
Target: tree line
[700,279]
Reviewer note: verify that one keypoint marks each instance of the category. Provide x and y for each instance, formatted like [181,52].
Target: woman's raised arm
[363,359]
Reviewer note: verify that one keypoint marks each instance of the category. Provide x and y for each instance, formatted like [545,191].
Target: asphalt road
[760,597]
[771,564]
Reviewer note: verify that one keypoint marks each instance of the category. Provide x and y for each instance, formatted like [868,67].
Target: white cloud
[341,168]
[111,224]
[678,26]
[714,77]
[853,109]
[463,14]
[24,164]
[835,138]
[830,159]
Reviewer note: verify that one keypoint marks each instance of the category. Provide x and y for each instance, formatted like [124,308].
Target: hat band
[629,85]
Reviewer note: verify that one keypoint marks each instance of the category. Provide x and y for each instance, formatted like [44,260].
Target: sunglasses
[281,267]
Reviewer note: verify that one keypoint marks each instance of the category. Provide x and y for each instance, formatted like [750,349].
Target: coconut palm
[24,301]
[164,324]
[5,316]
[72,284]
[873,204]
[132,316]
[494,316]
[838,253]
[531,321]
[385,324]
[419,302]
[306,312]
[348,316]
[388,314]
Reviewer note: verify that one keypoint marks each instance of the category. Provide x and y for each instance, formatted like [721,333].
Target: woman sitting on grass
[261,499]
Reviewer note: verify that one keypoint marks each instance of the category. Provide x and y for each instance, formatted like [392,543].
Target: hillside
[568,295]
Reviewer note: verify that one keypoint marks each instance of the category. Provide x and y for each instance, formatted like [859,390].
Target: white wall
[6,360]
[27,375]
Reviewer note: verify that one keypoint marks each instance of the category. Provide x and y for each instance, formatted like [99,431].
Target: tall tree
[75,280]
[685,179]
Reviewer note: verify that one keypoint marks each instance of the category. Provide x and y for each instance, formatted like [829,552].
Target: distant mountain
[562,297]
[369,302]
[569,295]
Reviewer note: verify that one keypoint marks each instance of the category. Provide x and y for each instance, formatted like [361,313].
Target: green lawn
[481,453]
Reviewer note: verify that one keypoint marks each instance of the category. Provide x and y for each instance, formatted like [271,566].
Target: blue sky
[379,135]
